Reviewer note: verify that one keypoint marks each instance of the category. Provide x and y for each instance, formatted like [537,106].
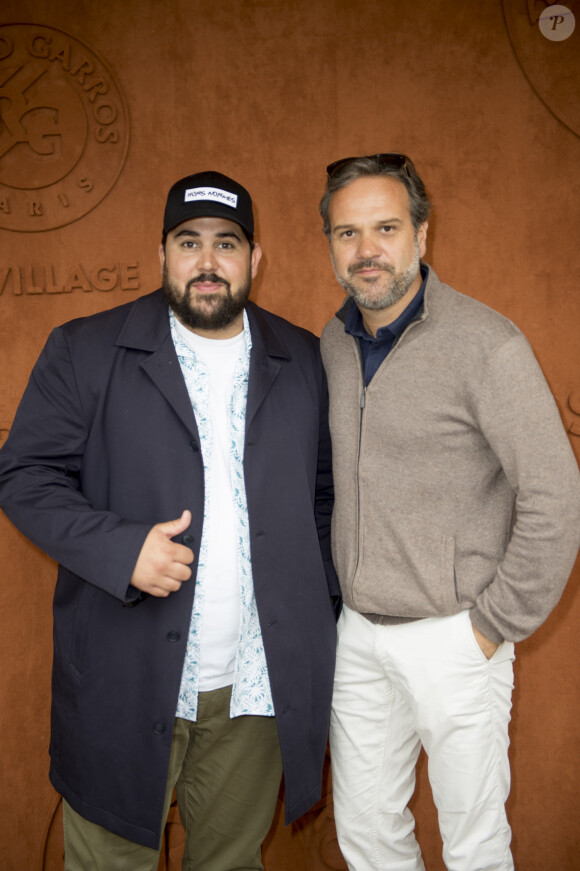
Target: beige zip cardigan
[455,486]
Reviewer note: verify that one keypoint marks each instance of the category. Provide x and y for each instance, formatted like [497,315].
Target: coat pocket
[81,622]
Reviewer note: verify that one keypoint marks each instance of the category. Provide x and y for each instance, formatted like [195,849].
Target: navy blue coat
[103,446]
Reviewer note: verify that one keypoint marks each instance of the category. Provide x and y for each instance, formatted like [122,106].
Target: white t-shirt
[221,610]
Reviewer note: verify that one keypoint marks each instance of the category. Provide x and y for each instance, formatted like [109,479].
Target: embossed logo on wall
[64,128]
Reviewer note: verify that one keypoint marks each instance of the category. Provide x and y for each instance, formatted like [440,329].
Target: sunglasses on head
[389,160]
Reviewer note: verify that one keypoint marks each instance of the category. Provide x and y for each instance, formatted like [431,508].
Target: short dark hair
[359,167]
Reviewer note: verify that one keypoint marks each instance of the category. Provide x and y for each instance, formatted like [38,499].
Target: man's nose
[368,247]
[207,260]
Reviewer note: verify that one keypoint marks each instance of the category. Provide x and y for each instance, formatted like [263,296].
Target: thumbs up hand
[163,565]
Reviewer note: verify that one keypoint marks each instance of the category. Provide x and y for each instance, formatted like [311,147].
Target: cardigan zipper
[362,405]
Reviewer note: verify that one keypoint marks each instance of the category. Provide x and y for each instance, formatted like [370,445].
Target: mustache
[370,264]
[206,277]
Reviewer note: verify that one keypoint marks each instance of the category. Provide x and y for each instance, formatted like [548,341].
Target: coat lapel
[147,329]
[265,365]
[164,370]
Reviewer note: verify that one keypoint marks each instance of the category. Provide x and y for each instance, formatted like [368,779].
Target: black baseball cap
[209,195]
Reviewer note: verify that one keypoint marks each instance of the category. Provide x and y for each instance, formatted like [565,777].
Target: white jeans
[397,687]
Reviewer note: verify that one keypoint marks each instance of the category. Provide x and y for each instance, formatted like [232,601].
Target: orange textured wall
[487,107]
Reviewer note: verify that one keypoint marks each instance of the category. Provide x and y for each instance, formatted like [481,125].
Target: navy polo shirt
[375,349]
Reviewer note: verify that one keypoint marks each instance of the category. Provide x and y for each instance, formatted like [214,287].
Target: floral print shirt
[251,693]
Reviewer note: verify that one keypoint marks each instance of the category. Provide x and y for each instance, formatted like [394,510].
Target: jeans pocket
[473,642]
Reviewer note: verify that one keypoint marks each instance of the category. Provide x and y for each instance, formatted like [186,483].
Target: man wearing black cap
[194,653]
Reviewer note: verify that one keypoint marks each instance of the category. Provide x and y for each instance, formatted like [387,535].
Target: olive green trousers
[226,774]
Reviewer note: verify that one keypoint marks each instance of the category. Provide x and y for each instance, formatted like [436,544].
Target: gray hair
[354,168]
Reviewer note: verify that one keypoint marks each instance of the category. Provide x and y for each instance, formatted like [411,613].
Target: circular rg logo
[64,128]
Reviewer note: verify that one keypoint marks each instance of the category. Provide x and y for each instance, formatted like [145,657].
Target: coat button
[187,539]
[173,635]
[194,445]
[158,728]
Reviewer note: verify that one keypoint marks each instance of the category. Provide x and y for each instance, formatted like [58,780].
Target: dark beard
[223,309]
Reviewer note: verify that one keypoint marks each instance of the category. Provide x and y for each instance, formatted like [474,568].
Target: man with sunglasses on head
[173,455]
[455,528]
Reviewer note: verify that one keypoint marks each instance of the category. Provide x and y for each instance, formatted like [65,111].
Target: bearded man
[455,528]
[173,456]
